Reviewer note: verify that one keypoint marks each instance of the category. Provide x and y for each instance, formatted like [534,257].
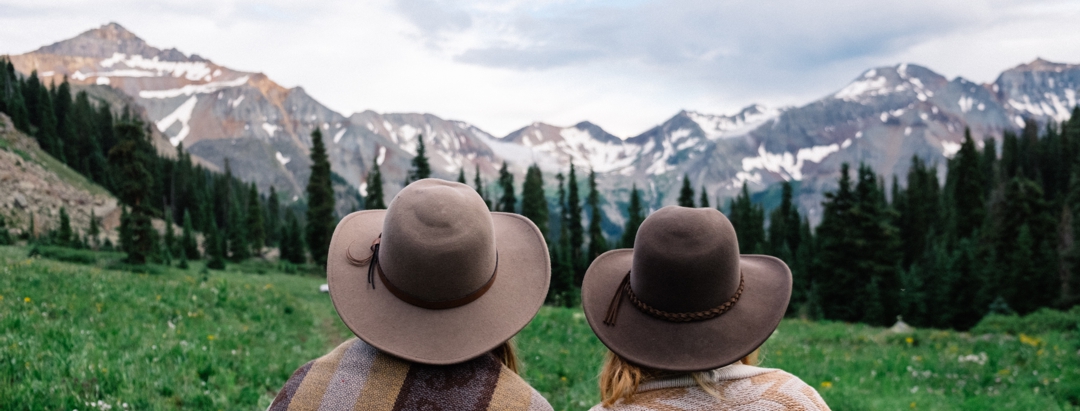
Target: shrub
[1042,321]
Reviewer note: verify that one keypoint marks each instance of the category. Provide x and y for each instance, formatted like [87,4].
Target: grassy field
[164,338]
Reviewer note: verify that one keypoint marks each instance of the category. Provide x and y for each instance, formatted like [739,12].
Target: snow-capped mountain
[882,118]
[585,144]
[262,128]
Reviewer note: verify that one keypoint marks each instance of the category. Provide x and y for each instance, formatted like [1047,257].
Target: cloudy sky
[624,64]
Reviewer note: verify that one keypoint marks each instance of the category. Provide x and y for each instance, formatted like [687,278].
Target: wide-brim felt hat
[657,305]
[449,280]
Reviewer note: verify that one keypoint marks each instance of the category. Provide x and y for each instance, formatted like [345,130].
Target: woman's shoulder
[357,376]
[774,386]
[734,386]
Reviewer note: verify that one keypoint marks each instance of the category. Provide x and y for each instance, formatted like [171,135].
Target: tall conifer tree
[534,204]
[374,198]
[635,215]
[574,227]
[508,201]
[597,242]
[421,169]
[686,194]
[320,213]
[256,229]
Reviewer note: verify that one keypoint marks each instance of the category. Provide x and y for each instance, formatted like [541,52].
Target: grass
[166,338]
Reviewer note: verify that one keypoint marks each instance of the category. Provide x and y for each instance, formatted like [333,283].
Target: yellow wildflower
[913,404]
[910,340]
[826,384]
[1,298]
[26,299]
[1032,341]
[210,337]
[268,286]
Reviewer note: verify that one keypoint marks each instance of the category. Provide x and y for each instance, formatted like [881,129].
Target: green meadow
[96,335]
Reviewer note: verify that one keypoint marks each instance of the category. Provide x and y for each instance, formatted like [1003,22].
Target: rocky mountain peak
[107,40]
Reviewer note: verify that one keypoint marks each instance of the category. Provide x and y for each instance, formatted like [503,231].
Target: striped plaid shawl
[356,376]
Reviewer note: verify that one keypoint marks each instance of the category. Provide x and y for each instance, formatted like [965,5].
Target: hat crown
[685,259]
[438,241]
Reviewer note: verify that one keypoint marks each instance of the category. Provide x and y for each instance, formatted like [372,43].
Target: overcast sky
[626,65]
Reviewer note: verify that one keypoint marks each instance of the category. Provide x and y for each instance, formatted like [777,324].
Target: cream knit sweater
[741,387]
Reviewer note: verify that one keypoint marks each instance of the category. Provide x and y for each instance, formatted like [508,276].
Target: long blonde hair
[620,378]
[507,354]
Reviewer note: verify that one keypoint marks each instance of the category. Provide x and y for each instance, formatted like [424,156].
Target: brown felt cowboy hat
[684,299]
[437,278]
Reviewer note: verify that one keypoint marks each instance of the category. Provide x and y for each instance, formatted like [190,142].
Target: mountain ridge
[882,117]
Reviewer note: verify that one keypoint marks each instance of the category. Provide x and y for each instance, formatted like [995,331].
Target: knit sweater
[741,387]
[356,376]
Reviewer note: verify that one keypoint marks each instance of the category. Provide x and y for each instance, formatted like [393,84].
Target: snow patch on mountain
[181,114]
[193,89]
[717,127]
[271,129]
[785,164]
[282,159]
[194,71]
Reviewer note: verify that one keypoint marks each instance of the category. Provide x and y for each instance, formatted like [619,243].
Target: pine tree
[461,176]
[420,167]
[237,231]
[534,204]
[273,218]
[1021,229]
[320,213]
[131,159]
[837,241]
[508,202]
[920,210]
[784,227]
[214,246]
[748,219]
[65,124]
[635,216]
[292,246]
[597,242]
[574,227]
[189,247]
[255,227]
[686,194]
[374,198]
[478,183]
[64,234]
[965,189]
[703,201]
[169,245]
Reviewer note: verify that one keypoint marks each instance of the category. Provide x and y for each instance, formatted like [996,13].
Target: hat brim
[694,346]
[446,336]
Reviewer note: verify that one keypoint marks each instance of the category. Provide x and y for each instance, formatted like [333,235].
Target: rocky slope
[33,185]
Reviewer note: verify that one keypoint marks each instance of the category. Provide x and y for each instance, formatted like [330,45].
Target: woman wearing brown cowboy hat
[434,287]
[684,314]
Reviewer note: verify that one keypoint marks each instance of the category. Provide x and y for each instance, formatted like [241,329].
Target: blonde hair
[507,354]
[620,379]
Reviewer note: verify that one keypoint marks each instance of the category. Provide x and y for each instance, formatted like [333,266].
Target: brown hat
[683,299]
[437,278]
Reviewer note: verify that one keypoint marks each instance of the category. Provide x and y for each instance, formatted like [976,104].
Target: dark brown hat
[683,299]
[437,278]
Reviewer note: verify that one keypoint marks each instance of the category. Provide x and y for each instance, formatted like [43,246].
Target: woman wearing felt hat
[434,287]
[684,313]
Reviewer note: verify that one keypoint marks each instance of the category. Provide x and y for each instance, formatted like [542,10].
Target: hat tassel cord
[616,301]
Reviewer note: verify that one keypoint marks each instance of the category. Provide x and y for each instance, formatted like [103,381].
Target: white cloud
[623,65]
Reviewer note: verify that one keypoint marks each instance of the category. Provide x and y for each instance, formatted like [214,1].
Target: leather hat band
[375,267]
[624,288]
